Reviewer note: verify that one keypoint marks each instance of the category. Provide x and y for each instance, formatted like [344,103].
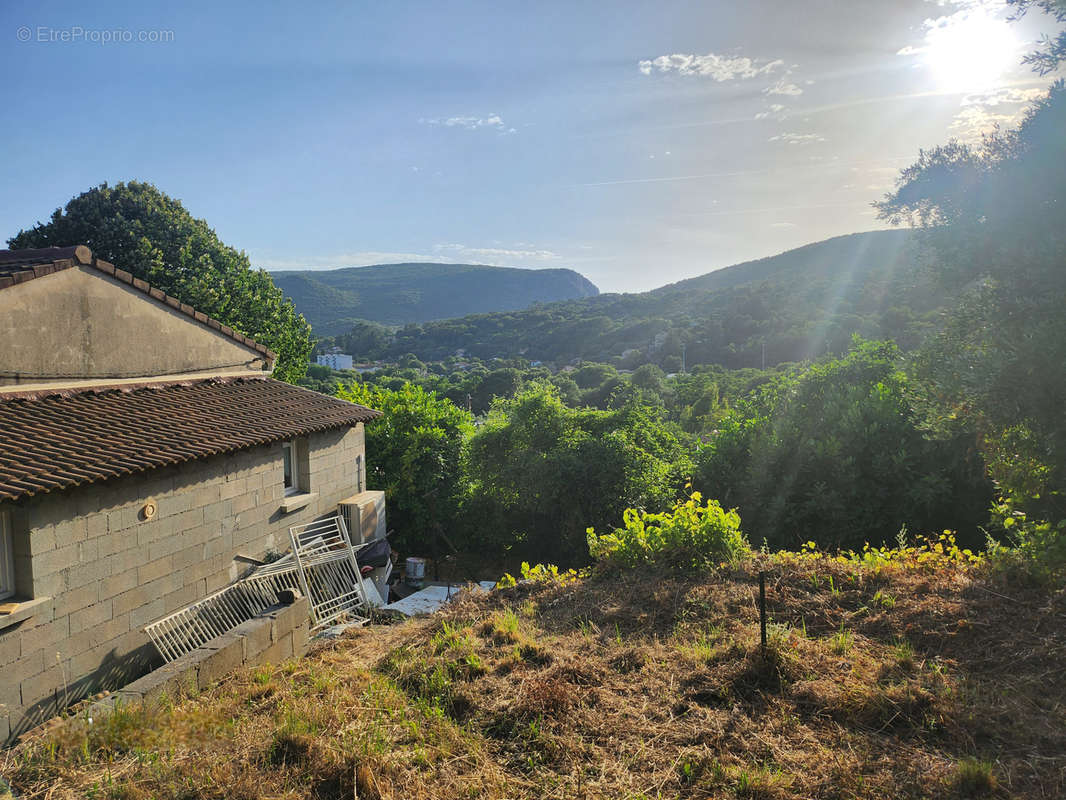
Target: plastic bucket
[414,569]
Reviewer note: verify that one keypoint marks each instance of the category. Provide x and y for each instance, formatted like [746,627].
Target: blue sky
[638,143]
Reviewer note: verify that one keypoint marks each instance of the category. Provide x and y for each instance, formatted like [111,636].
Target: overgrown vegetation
[627,684]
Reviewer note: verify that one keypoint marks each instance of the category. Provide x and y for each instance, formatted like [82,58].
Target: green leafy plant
[691,535]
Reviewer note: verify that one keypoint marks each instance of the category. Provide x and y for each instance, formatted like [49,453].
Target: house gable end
[83,323]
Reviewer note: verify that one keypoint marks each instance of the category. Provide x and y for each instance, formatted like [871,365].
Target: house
[335,360]
[146,457]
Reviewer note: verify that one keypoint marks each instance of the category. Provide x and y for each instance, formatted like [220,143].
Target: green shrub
[689,536]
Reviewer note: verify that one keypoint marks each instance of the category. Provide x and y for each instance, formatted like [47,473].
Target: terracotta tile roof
[57,439]
[19,266]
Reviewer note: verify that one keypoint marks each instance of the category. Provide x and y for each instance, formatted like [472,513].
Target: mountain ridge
[791,306]
[416,292]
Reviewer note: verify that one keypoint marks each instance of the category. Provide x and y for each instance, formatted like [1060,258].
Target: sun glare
[972,54]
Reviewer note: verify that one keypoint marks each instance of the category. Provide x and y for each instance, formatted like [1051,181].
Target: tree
[542,473]
[1052,52]
[992,217]
[835,454]
[415,453]
[152,236]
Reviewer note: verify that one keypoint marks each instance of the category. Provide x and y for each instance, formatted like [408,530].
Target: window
[7,557]
[359,479]
[291,466]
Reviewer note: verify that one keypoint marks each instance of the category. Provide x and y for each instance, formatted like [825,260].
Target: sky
[637,143]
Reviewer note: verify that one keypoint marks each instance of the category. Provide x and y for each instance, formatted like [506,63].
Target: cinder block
[163,547]
[233,488]
[42,540]
[301,639]
[84,574]
[10,646]
[242,503]
[192,518]
[291,616]
[52,561]
[203,569]
[220,545]
[174,503]
[188,557]
[227,654]
[181,597]
[152,531]
[106,634]
[42,685]
[147,614]
[95,525]
[155,569]
[118,583]
[69,602]
[10,695]
[71,531]
[216,512]
[46,635]
[134,598]
[127,559]
[171,680]
[257,637]
[278,652]
[90,617]
[108,545]
[207,495]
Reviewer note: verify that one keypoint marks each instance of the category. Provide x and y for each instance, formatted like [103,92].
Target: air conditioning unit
[364,516]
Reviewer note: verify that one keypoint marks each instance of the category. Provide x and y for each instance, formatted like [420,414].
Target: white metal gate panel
[322,564]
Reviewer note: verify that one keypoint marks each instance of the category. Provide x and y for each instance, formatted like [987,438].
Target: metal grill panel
[322,564]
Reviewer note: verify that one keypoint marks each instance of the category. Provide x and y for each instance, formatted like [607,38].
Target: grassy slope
[401,293]
[878,685]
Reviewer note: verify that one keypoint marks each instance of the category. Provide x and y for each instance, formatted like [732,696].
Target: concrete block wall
[106,571]
[276,635]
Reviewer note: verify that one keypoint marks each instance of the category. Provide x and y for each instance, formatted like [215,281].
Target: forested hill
[788,307]
[850,258]
[397,294]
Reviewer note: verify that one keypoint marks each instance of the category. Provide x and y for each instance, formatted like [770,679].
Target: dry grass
[638,687]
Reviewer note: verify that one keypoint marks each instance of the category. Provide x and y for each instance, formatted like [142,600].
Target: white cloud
[981,112]
[772,110]
[716,67]
[784,87]
[973,121]
[1006,95]
[797,138]
[470,123]
[337,260]
[496,255]
[783,225]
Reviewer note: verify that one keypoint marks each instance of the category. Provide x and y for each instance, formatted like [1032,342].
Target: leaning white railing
[322,564]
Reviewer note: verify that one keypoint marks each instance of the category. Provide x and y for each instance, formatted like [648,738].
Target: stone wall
[98,571]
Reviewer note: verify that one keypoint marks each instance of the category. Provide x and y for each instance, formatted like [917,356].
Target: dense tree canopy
[145,232]
[414,452]
[993,217]
[835,454]
[541,473]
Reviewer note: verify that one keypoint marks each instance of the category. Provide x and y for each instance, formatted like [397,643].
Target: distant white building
[336,360]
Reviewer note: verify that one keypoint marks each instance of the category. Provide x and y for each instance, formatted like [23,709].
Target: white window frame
[294,467]
[7,557]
